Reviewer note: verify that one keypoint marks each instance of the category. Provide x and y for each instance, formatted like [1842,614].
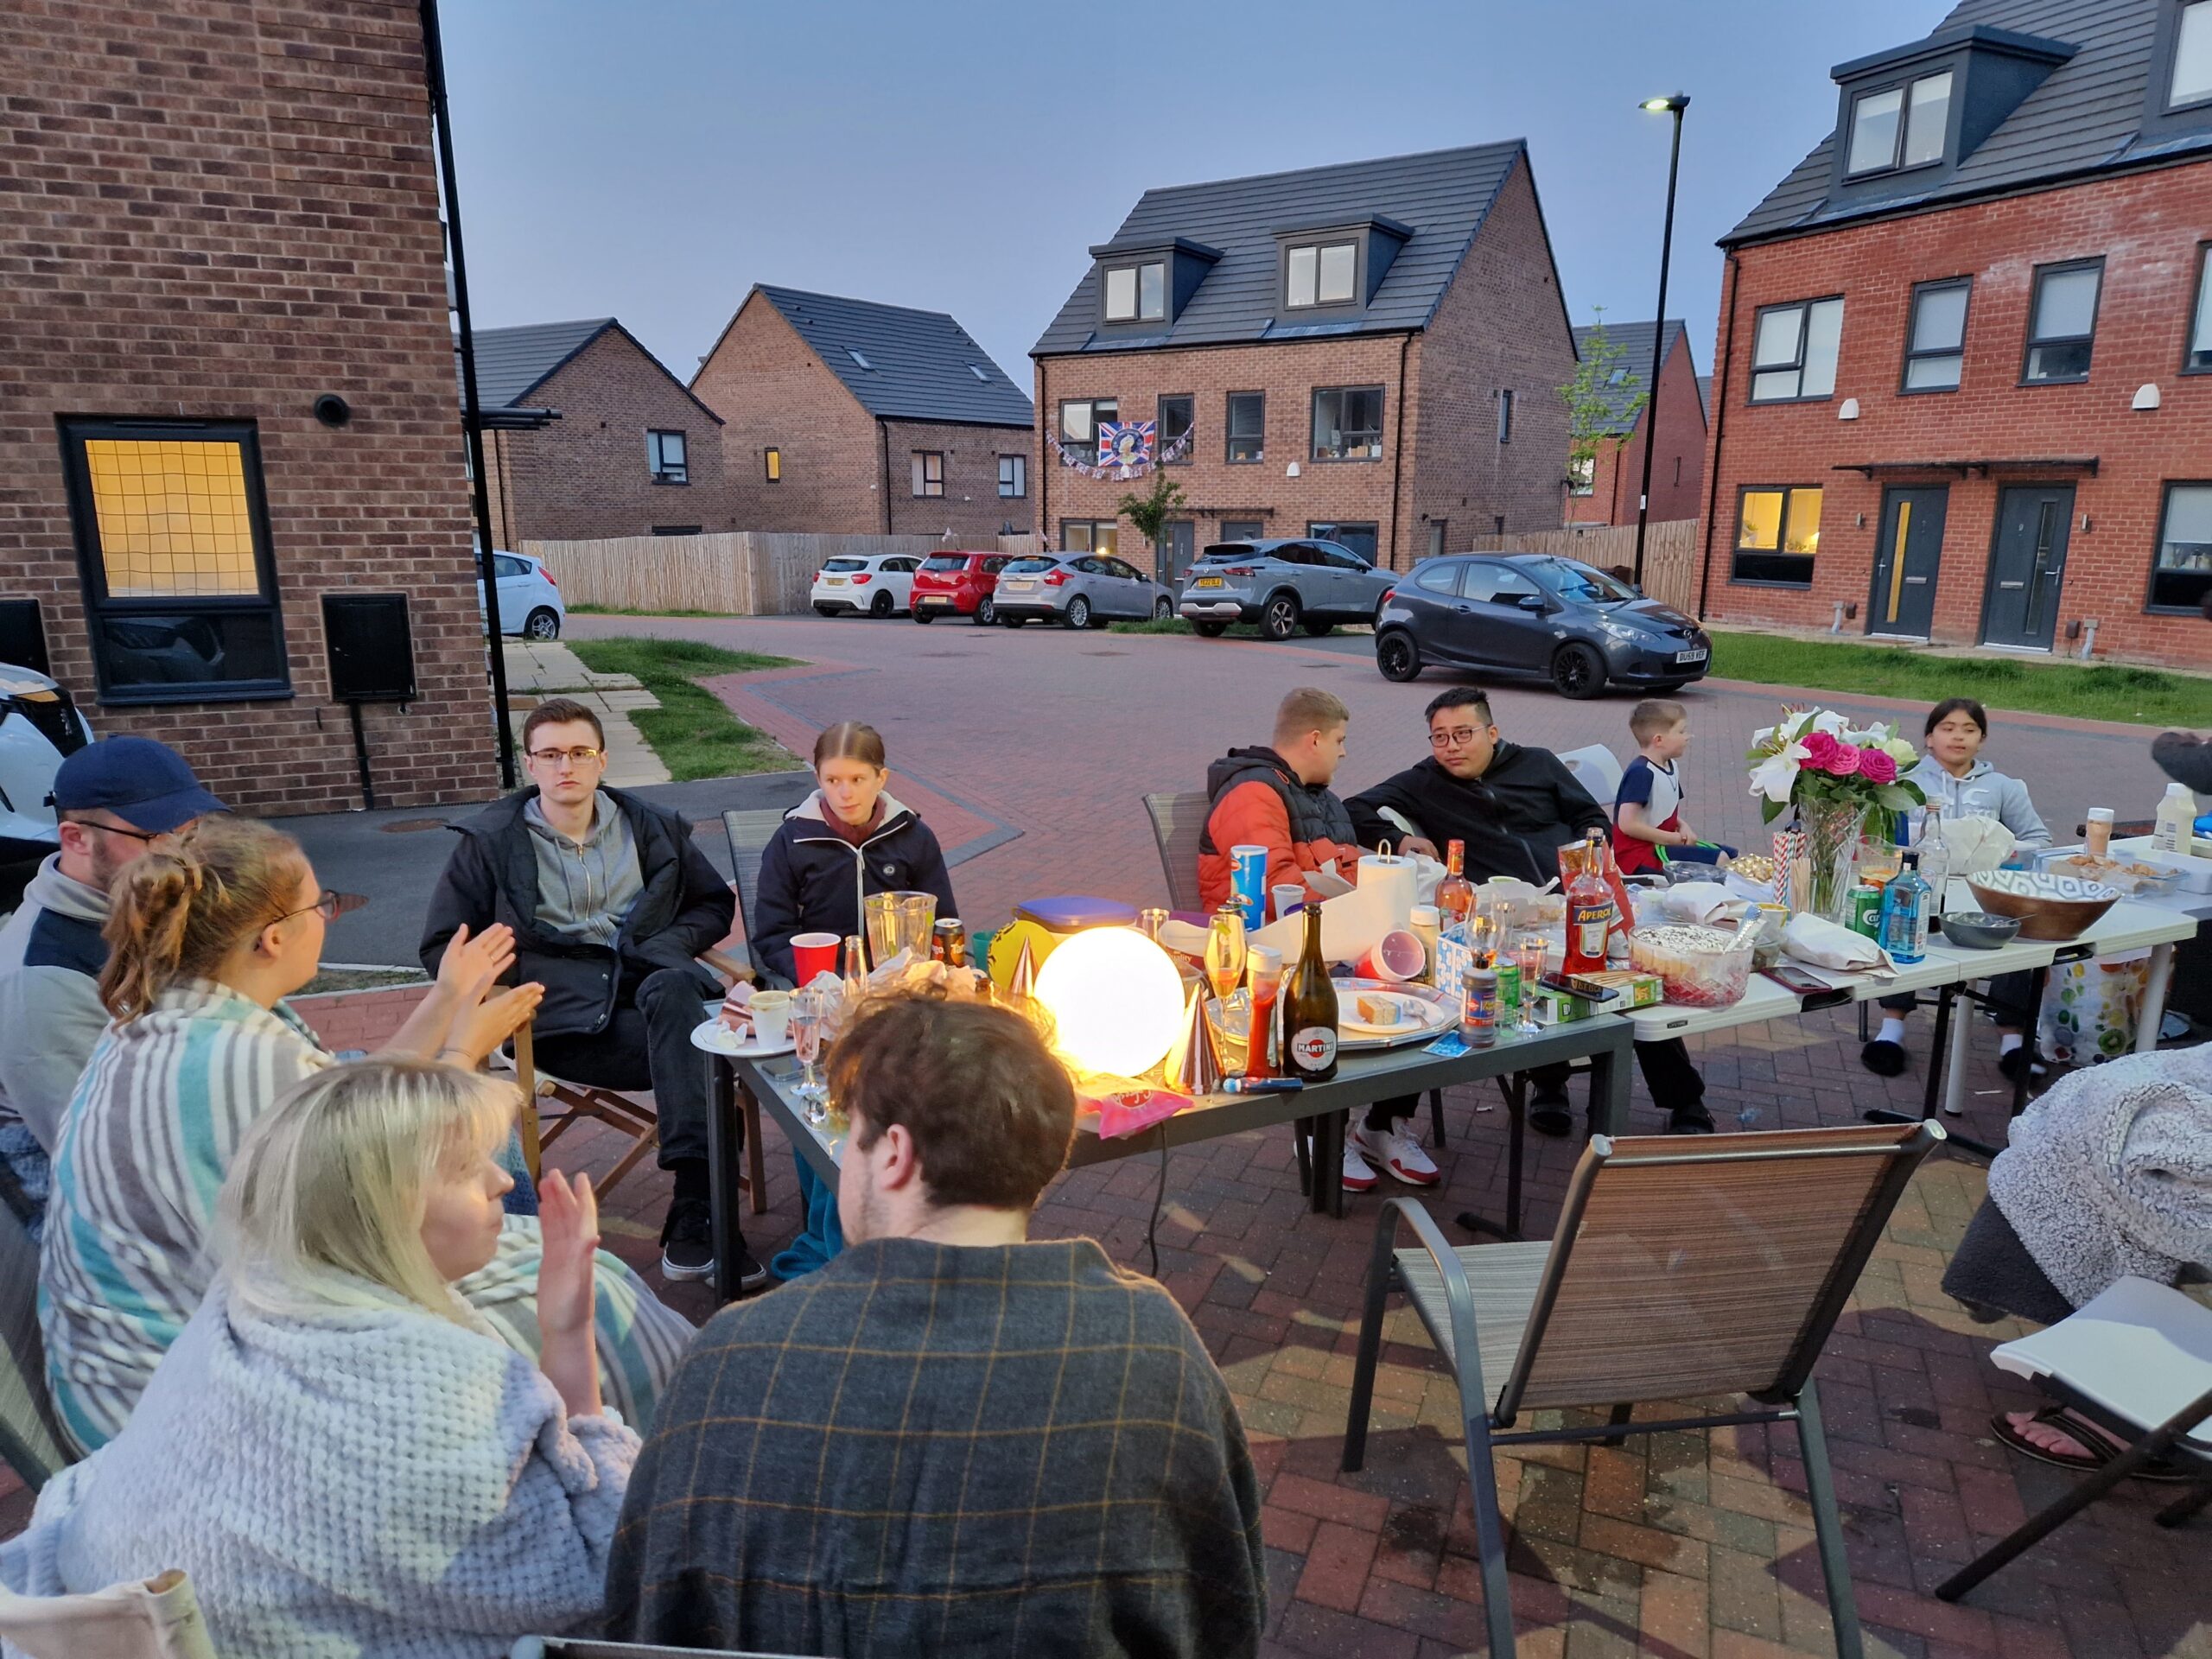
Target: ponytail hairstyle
[176,913]
[850,739]
[330,1185]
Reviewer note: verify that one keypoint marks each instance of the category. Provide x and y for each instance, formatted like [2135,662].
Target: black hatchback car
[1535,613]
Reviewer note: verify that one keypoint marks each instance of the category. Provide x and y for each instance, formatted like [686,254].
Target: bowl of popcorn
[1699,967]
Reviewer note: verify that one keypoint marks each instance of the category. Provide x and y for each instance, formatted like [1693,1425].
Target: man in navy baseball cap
[115,799]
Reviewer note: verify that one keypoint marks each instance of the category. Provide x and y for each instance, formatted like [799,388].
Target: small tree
[1150,512]
[1595,417]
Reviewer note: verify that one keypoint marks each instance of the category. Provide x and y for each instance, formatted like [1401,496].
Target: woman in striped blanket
[206,941]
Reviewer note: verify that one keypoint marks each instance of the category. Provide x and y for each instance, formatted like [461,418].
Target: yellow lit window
[775,463]
[173,517]
[1762,526]
[1801,530]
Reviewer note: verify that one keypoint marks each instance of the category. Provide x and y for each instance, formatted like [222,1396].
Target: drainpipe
[883,443]
[1398,452]
[1044,516]
[1734,274]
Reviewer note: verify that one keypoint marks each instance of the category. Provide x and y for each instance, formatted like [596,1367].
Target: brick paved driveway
[1688,1545]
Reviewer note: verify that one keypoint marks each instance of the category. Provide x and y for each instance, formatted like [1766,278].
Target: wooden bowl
[2048,906]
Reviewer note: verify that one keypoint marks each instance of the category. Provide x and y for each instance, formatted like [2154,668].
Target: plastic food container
[1700,967]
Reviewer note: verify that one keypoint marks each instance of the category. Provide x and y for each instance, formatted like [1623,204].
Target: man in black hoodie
[1515,808]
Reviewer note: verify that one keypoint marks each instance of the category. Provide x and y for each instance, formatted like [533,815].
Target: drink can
[949,943]
[1248,885]
[1509,987]
[1866,909]
[1478,1009]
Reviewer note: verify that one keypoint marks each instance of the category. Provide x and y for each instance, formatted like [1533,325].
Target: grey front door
[1906,561]
[2026,565]
[1177,548]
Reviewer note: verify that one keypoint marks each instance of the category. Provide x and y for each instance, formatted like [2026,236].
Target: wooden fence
[1670,553]
[736,573]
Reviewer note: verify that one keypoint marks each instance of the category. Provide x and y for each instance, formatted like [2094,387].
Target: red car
[958,584]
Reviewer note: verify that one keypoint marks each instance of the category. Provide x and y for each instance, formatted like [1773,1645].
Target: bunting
[1126,449]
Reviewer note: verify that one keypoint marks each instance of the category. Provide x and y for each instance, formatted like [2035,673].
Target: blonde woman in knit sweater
[343,1455]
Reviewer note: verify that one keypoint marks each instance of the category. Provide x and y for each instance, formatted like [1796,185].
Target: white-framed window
[1794,350]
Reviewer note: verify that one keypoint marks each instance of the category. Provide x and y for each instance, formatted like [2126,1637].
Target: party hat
[1193,1065]
[1022,988]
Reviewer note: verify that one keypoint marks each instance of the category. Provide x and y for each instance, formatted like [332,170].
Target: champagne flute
[1528,953]
[806,1041]
[1225,949]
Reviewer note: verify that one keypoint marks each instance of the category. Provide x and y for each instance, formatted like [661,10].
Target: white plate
[1442,1014]
[718,1039]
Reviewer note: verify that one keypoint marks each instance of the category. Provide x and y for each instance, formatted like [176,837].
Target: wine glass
[1225,949]
[806,1041]
[1528,953]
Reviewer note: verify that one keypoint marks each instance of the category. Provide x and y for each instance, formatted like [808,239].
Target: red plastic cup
[814,953]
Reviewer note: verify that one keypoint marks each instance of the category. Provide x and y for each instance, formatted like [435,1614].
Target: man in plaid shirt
[951,1440]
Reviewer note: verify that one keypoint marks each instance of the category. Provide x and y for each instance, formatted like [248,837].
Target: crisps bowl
[2048,907]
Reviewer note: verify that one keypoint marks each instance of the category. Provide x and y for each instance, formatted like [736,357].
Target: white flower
[1760,735]
[1900,751]
[1827,720]
[1776,775]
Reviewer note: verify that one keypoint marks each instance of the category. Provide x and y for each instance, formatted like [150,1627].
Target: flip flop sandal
[2103,1446]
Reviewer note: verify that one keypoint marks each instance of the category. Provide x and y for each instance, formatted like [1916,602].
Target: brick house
[228,391]
[846,416]
[1606,493]
[591,436]
[1962,389]
[1368,351]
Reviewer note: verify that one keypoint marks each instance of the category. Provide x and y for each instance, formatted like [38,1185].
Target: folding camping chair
[1679,1270]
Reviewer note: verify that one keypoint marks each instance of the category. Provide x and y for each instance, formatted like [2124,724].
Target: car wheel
[1317,629]
[1397,656]
[1163,610]
[825,610]
[882,605]
[1280,620]
[919,615]
[1211,630]
[1577,671]
[1013,621]
[543,624]
[986,612]
[1078,613]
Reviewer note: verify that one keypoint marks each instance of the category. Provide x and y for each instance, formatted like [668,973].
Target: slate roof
[921,366]
[2087,117]
[1634,341]
[1444,195]
[512,363]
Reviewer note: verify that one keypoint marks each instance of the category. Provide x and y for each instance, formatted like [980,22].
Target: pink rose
[1847,760]
[1876,767]
[1820,751]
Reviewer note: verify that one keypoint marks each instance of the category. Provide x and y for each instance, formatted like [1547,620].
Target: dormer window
[1136,293]
[1901,127]
[2192,71]
[1322,273]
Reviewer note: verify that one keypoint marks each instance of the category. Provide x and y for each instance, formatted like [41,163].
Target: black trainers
[1883,1060]
[687,1241]
[2009,1062]
[751,1275]
[1689,1120]
[1549,1114]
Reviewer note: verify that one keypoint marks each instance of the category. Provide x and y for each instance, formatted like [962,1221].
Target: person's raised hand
[567,1225]
[1421,845]
[472,965]
[479,1029]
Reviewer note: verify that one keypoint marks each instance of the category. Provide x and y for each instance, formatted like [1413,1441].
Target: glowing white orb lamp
[1116,1000]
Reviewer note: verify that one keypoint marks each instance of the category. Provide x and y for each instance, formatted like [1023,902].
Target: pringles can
[1248,885]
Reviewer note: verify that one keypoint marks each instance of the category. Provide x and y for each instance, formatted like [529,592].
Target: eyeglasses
[332,905]
[1458,738]
[576,757]
[117,830]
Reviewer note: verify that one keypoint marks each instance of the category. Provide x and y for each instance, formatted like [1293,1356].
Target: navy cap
[136,779]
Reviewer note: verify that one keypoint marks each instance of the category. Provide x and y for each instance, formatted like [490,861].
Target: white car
[529,599]
[877,585]
[38,724]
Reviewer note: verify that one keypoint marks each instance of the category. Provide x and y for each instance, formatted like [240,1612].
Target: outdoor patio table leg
[1609,1070]
[756,1164]
[1514,1087]
[1954,1044]
[722,1172]
[2154,998]
[2039,978]
[1302,1137]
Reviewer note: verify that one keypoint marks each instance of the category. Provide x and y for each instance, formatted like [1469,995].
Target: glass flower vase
[1832,831]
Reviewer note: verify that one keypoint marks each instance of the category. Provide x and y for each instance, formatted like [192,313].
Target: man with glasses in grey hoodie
[114,799]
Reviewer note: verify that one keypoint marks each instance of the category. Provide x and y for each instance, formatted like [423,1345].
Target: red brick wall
[1501,324]
[2147,227]
[1678,470]
[223,209]
[772,390]
[587,474]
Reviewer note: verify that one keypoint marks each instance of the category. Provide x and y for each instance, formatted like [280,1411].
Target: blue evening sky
[651,159]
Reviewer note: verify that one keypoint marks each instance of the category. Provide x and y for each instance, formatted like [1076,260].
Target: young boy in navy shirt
[1648,807]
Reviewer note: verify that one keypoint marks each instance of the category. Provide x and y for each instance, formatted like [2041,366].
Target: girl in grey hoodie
[1953,775]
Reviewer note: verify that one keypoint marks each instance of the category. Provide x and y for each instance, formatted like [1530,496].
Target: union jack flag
[1126,446]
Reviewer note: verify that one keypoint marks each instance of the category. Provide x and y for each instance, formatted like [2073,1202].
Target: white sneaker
[1357,1176]
[1400,1153]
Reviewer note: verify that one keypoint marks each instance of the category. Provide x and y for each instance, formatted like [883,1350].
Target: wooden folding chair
[1679,1271]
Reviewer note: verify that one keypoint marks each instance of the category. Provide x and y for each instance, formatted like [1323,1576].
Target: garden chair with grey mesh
[1679,1272]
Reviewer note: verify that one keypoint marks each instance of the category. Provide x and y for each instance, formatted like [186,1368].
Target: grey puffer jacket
[1984,789]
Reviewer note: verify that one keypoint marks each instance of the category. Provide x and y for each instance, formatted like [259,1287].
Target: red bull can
[1248,885]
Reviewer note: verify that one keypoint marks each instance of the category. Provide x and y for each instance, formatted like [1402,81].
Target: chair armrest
[1459,1295]
[733,971]
[1391,815]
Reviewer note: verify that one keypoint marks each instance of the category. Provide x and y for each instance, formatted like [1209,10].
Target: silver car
[1283,586]
[1080,590]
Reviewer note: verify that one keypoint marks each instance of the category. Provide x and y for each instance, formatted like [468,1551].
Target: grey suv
[1534,614]
[1283,586]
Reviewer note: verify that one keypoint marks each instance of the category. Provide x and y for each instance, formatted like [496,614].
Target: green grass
[2102,692]
[693,731]
[616,610]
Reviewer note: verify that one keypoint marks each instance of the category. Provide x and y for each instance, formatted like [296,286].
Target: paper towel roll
[1392,878]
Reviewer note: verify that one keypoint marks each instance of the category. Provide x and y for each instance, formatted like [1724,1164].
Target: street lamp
[1674,106]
